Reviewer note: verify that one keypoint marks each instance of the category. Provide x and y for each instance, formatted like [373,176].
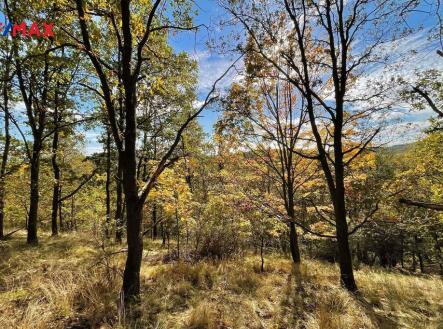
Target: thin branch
[78,187]
[421,204]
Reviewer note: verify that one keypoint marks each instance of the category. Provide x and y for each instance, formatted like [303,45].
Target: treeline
[294,164]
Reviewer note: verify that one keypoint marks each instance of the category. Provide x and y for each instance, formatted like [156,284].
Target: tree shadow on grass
[383,321]
[295,301]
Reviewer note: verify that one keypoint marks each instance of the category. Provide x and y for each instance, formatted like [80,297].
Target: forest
[221,164]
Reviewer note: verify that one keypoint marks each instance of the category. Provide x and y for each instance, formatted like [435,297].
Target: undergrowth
[73,282]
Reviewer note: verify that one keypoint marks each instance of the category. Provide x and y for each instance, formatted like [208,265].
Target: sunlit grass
[68,281]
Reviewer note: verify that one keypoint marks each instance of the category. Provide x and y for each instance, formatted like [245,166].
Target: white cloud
[198,103]
[18,107]
[406,56]
[403,133]
[212,66]
[91,143]
[91,149]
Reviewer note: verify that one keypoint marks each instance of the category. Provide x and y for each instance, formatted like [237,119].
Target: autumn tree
[134,31]
[425,91]
[34,94]
[265,114]
[62,119]
[316,42]
[5,106]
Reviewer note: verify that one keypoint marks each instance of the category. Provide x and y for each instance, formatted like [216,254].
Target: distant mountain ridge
[399,148]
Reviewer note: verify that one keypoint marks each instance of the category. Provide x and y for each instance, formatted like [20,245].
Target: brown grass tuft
[67,282]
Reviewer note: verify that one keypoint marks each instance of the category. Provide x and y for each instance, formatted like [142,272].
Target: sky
[404,125]
[212,64]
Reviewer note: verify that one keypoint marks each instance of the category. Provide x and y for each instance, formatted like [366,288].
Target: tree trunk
[119,206]
[56,171]
[338,196]
[262,267]
[131,276]
[293,239]
[108,183]
[163,235]
[382,254]
[34,195]
[344,252]
[178,233]
[420,261]
[5,151]
[419,255]
[402,252]
[293,242]
[60,212]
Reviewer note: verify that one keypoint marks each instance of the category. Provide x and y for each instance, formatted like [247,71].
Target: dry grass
[64,283]
[54,284]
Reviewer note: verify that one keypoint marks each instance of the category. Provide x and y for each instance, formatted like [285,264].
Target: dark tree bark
[262,246]
[108,184]
[34,195]
[417,252]
[421,204]
[5,155]
[56,170]
[293,242]
[163,234]
[293,239]
[344,252]
[60,212]
[119,205]
[131,275]
[420,261]
[402,251]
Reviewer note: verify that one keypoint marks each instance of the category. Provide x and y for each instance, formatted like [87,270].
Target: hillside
[400,148]
[72,282]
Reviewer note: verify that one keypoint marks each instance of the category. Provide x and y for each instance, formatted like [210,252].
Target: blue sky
[405,124]
[211,63]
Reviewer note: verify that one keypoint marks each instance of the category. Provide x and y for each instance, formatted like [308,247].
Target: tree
[6,92]
[123,22]
[426,91]
[271,124]
[35,68]
[315,41]
[34,94]
[173,194]
[62,121]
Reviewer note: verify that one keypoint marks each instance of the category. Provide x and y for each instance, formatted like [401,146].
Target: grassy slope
[67,282]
